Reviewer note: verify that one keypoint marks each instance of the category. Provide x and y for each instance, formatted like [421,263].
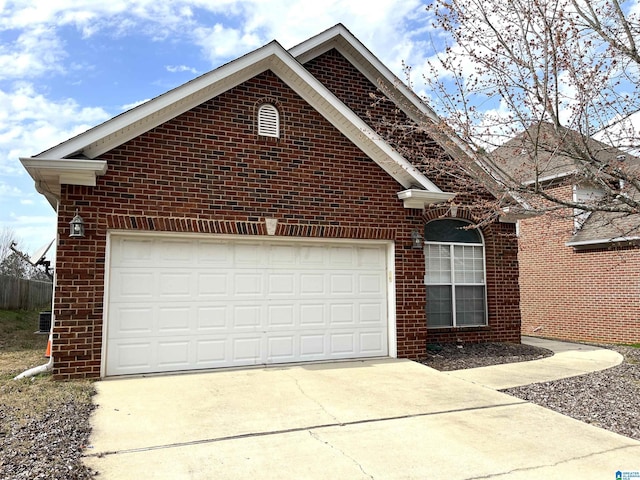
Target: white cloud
[180,68]
[129,106]
[32,231]
[34,52]
[30,123]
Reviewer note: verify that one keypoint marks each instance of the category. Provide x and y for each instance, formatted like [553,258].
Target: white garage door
[193,303]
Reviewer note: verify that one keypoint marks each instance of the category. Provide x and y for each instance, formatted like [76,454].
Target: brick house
[253,216]
[579,272]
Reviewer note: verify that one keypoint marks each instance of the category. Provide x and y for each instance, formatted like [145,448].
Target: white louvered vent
[268,121]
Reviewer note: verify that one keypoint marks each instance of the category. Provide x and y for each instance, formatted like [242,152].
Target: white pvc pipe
[36,370]
[42,368]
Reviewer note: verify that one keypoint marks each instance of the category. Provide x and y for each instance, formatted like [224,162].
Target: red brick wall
[583,295]
[206,171]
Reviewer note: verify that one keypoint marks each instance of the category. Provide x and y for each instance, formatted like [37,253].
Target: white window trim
[454,284]
[268,121]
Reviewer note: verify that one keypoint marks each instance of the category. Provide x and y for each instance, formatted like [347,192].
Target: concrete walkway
[568,360]
[373,419]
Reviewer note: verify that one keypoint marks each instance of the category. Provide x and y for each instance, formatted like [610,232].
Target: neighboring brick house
[579,273]
[252,216]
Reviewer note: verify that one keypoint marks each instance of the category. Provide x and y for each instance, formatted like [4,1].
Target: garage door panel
[215,285]
[313,345]
[281,284]
[134,356]
[132,320]
[372,342]
[211,353]
[177,285]
[341,314]
[281,316]
[342,343]
[248,284]
[132,285]
[202,303]
[211,318]
[312,284]
[246,350]
[341,284]
[370,284]
[173,320]
[175,252]
[131,252]
[313,316]
[173,354]
[216,254]
[281,348]
[372,314]
[248,254]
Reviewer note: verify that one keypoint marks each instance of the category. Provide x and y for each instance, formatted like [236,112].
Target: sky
[68,65]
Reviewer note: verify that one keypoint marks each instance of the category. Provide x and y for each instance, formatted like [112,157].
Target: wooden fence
[21,294]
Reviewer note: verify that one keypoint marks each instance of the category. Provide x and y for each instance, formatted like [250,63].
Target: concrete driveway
[374,419]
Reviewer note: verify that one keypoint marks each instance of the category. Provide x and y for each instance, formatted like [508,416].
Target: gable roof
[543,153]
[75,159]
[340,38]
[602,229]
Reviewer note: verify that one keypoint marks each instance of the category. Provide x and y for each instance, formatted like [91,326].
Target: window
[268,121]
[455,276]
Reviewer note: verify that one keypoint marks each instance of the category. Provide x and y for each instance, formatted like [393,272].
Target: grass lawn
[32,409]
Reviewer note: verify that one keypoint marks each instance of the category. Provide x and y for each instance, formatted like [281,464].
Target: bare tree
[554,84]
[16,264]
[7,238]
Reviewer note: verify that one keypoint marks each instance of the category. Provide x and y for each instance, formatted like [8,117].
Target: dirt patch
[458,357]
[44,425]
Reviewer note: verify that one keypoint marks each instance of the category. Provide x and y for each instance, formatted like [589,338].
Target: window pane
[439,306]
[470,306]
[468,264]
[450,230]
[438,264]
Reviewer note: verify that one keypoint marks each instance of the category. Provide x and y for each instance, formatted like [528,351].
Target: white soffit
[415,198]
[49,173]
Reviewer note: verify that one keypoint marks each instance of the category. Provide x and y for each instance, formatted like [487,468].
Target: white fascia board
[549,178]
[415,198]
[600,242]
[63,166]
[142,118]
[49,173]
[351,48]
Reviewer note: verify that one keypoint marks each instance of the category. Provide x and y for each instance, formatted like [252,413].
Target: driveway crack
[333,447]
[302,391]
[551,465]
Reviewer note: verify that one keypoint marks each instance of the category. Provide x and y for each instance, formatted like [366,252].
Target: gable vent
[268,121]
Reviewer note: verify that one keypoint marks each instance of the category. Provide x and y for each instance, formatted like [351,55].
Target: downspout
[49,365]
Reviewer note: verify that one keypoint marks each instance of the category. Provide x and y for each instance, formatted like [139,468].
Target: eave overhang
[50,173]
[416,198]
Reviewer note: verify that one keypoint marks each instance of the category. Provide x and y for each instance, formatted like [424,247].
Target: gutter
[586,243]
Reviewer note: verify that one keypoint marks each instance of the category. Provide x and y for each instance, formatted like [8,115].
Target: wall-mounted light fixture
[416,239]
[76,225]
